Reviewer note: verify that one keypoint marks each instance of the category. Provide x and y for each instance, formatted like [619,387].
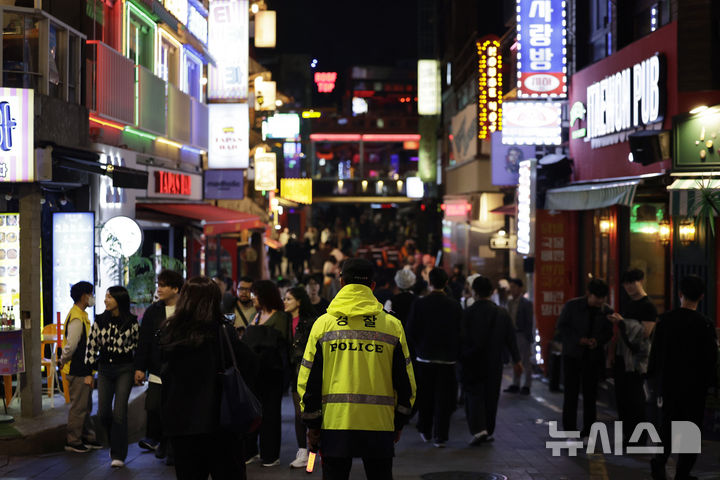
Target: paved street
[518,452]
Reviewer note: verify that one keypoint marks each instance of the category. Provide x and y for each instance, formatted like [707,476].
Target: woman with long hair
[269,337]
[191,341]
[111,351]
[302,312]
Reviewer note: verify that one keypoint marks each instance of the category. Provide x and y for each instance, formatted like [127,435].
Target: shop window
[140,37]
[169,66]
[600,37]
[20,51]
[194,73]
[647,251]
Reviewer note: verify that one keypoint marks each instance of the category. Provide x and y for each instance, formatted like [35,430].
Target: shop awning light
[140,133]
[698,109]
[106,123]
[197,151]
[391,137]
[169,142]
[335,137]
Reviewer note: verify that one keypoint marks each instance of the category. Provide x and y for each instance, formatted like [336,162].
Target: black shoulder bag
[240,410]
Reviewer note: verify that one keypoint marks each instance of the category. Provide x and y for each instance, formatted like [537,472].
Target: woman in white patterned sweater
[111,350]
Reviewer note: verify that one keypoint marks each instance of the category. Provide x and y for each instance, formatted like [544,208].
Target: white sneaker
[254,459]
[301,459]
[272,464]
[117,463]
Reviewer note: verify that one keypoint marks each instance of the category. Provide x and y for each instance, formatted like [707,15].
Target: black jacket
[486,331]
[191,384]
[433,328]
[147,357]
[574,324]
[300,339]
[401,304]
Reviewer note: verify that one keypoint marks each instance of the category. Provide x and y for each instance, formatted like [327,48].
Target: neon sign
[429,91]
[197,24]
[541,48]
[17,158]
[173,183]
[325,81]
[490,86]
[228,43]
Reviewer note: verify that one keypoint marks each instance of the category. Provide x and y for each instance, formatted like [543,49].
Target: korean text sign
[73,255]
[17,159]
[228,43]
[542,48]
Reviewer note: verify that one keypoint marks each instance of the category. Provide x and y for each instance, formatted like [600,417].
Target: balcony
[179,111]
[111,83]
[151,101]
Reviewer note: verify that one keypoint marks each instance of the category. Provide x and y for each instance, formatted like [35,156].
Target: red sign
[456,210]
[173,183]
[607,156]
[325,81]
[555,272]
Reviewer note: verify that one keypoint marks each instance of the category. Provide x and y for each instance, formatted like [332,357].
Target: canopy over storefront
[590,196]
[215,220]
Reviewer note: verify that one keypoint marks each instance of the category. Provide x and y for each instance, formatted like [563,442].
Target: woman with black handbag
[195,351]
[268,335]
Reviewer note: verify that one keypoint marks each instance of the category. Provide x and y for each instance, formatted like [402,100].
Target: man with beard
[244,309]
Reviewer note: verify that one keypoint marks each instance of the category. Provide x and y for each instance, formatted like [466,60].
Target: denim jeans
[115,381]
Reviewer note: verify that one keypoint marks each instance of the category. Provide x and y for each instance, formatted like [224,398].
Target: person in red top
[298,305]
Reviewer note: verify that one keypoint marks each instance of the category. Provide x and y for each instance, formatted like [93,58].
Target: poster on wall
[12,355]
[73,257]
[229,126]
[10,263]
[506,160]
[17,116]
[228,43]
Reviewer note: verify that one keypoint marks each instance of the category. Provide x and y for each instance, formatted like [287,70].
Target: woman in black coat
[190,346]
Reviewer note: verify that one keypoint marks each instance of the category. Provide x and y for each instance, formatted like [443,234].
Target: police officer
[356,382]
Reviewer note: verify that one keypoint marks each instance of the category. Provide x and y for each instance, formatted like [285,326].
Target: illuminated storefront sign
[526,208]
[325,81]
[296,189]
[265,21]
[228,42]
[265,94]
[10,262]
[541,48]
[179,9]
[429,91]
[490,86]
[281,125]
[311,114]
[173,183]
[121,236]
[631,98]
[224,184]
[197,24]
[532,123]
[265,171]
[17,114]
[73,255]
[457,210]
[414,187]
[229,127]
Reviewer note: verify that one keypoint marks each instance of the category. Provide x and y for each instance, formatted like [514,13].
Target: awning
[506,210]
[272,243]
[590,196]
[215,220]
[685,192]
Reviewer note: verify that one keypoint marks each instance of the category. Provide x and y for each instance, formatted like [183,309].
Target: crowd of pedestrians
[356,351]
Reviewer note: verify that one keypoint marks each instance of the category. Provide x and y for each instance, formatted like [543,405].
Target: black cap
[358,270]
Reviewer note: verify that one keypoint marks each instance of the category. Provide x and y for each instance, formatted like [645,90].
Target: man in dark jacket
[147,357]
[521,314]
[584,329]
[682,364]
[433,330]
[486,331]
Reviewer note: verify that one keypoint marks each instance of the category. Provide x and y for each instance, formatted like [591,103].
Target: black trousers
[481,402]
[218,455]
[629,397]
[580,372]
[436,397]
[269,392]
[687,406]
[338,468]
[153,405]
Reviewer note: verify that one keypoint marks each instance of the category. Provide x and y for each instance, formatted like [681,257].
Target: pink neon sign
[325,81]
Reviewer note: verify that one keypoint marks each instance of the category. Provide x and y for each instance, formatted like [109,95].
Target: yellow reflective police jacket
[356,372]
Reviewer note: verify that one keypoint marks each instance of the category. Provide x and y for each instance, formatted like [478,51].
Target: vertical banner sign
[427,153]
[17,114]
[526,207]
[228,42]
[490,86]
[555,274]
[429,91]
[541,48]
[265,171]
[73,256]
[229,127]
[10,262]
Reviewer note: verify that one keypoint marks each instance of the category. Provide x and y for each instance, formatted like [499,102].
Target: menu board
[10,263]
[73,256]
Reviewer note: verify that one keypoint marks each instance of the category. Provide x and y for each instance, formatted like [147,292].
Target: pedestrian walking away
[111,350]
[486,332]
[356,381]
[584,330]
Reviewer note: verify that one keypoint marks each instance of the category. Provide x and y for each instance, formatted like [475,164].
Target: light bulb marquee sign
[490,86]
